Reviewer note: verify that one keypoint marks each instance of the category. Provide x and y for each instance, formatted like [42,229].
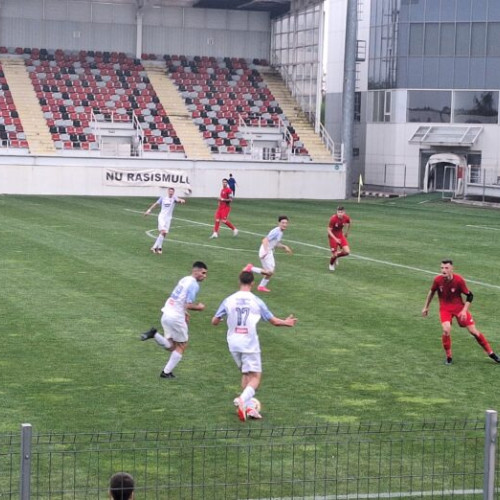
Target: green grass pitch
[79,285]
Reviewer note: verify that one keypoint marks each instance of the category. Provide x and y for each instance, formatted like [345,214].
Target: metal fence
[438,459]
[482,183]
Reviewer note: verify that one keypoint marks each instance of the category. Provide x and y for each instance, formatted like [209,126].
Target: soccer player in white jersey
[175,317]
[244,310]
[167,204]
[266,253]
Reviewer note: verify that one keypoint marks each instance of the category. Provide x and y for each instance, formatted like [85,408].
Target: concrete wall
[387,144]
[101,25]
[86,176]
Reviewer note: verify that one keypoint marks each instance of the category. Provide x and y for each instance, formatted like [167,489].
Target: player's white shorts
[247,361]
[175,327]
[164,223]
[267,261]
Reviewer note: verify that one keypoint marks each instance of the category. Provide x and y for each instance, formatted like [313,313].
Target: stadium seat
[73,84]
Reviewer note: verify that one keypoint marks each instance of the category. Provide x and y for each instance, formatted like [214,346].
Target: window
[447,40]
[416,39]
[357,107]
[429,106]
[478,39]
[381,106]
[492,41]
[431,40]
[462,44]
[476,107]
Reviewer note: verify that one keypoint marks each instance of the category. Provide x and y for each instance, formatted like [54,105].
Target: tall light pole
[349,90]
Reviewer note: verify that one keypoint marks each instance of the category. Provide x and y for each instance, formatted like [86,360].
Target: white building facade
[428,82]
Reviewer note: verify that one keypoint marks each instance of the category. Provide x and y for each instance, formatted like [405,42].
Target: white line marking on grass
[484,227]
[360,257]
[151,234]
[173,240]
[134,211]
[397,494]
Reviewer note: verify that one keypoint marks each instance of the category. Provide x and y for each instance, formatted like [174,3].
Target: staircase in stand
[27,105]
[188,133]
[312,142]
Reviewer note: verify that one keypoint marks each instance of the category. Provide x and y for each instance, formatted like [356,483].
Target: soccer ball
[255,404]
[188,192]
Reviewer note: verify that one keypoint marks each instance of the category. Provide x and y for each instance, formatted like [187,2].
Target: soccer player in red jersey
[338,229]
[222,212]
[450,288]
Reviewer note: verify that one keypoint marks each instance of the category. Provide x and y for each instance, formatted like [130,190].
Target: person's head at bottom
[121,486]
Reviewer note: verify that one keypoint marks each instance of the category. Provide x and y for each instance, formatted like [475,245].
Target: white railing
[336,149]
[138,139]
[268,153]
[94,123]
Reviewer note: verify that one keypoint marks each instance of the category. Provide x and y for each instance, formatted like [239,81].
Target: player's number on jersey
[242,315]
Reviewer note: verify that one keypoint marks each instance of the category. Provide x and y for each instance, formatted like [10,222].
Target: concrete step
[187,131]
[312,142]
[31,116]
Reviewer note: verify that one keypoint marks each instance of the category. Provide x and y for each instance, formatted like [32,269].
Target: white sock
[264,282]
[161,340]
[257,270]
[247,394]
[174,359]
[159,241]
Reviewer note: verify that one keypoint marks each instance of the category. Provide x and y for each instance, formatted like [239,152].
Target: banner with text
[147,177]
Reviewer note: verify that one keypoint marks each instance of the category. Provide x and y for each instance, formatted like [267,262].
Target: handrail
[138,141]
[96,128]
[336,150]
[282,128]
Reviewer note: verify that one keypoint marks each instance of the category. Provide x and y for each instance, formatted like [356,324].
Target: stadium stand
[224,95]
[77,89]
[220,105]
[11,130]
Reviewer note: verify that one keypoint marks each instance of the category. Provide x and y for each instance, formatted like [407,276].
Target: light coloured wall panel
[158,40]
[153,17]
[102,13]
[237,21]
[239,45]
[124,14]
[216,19]
[85,176]
[172,30]
[259,21]
[55,10]
[168,17]
[113,37]
[173,17]
[65,35]
[79,11]
[28,9]
[194,18]
[20,33]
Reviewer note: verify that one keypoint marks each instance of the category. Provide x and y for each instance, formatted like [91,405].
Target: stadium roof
[275,7]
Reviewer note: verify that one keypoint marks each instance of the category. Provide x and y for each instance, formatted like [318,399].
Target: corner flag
[360,185]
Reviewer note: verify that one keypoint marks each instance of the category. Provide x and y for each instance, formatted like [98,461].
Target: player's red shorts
[449,312]
[334,244]
[222,213]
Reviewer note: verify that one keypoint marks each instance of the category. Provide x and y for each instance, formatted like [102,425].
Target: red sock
[342,254]
[446,340]
[332,260]
[481,340]
[216,227]
[229,225]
